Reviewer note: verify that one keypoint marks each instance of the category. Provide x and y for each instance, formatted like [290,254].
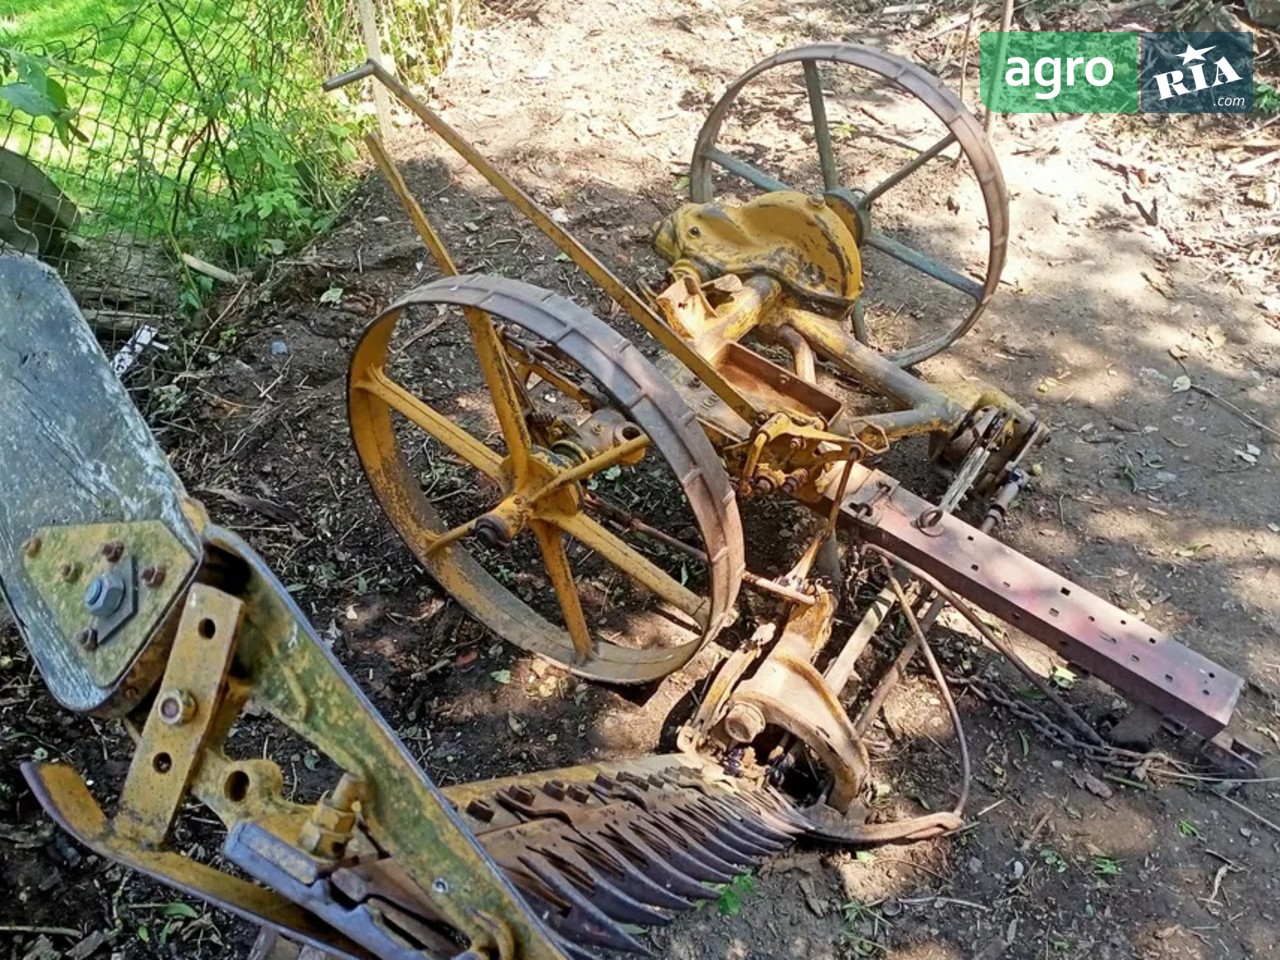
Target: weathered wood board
[73,450]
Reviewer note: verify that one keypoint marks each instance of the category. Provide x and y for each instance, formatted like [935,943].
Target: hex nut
[744,722]
[104,594]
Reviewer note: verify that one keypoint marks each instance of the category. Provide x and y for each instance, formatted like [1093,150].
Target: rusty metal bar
[584,258]
[871,369]
[1132,656]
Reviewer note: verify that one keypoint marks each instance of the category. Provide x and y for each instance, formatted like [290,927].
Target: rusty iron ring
[635,386]
[944,104]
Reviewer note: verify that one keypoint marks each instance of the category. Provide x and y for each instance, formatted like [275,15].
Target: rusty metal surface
[182,716]
[796,239]
[75,452]
[788,692]
[635,387]
[73,558]
[962,127]
[295,678]
[1135,658]
[598,850]
[309,882]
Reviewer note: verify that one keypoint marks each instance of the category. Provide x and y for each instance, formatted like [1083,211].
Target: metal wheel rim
[927,89]
[636,387]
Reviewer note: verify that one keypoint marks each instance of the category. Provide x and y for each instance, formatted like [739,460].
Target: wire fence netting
[191,127]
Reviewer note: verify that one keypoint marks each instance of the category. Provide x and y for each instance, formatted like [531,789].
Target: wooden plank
[74,451]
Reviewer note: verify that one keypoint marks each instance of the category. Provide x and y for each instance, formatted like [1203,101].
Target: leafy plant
[196,288]
[1188,828]
[32,90]
[729,903]
[1106,866]
[1052,859]
[1266,98]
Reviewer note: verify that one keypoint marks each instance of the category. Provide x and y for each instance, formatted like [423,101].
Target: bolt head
[87,638]
[154,576]
[113,550]
[69,570]
[176,707]
[31,546]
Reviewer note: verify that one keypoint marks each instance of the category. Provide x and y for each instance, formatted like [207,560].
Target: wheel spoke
[527,366]
[740,168]
[503,392]
[601,461]
[620,554]
[436,424]
[446,538]
[821,132]
[551,542]
[908,169]
[914,258]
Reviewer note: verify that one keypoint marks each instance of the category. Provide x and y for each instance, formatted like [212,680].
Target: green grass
[38,22]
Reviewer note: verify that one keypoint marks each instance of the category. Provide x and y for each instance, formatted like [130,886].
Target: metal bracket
[867,501]
[182,716]
[1231,756]
[788,692]
[65,563]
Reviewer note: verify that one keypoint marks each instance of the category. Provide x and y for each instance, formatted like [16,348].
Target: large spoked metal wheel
[511,500]
[917,188]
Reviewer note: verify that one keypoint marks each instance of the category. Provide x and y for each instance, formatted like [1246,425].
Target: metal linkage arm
[241,639]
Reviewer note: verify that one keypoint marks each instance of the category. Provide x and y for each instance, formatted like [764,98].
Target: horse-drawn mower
[777,378]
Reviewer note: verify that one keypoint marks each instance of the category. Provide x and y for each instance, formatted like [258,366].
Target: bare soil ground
[1162,496]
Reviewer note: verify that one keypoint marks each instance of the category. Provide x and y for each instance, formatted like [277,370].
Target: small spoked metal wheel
[918,187]
[515,445]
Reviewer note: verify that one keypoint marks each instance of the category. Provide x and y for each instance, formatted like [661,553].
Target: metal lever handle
[351,76]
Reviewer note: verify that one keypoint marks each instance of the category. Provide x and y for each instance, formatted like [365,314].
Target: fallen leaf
[332,295]
[500,676]
[1181,384]
[516,724]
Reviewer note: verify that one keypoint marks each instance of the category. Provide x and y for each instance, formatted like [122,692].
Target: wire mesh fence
[190,127]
